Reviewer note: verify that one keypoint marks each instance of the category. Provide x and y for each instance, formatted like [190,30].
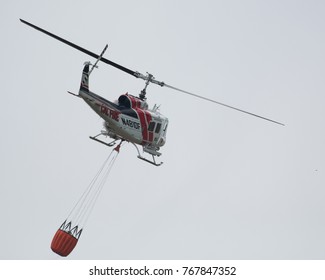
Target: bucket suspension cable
[81,206]
[101,183]
[67,236]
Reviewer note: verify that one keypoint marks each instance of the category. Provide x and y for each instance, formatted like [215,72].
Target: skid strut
[110,144]
[153,161]
[117,148]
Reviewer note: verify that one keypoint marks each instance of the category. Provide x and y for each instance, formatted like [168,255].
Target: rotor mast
[148,78]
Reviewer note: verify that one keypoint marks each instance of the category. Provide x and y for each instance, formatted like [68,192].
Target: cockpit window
[151,126]
[158,127]
[165,126]
[124,101]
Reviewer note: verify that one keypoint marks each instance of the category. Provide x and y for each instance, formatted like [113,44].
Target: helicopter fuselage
[128,119]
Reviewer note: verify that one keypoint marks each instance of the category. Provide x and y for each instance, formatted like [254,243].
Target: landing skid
[110,144]
[153,161]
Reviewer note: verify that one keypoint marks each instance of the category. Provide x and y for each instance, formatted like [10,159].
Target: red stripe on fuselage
[148,120]
[145,119]
[135,103]
[144,125]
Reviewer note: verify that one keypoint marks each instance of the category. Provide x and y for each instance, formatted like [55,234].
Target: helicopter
[129,118]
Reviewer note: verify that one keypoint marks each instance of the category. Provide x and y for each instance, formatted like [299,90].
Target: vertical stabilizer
[84,85]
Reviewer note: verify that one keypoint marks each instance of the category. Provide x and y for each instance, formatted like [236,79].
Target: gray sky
[232,186]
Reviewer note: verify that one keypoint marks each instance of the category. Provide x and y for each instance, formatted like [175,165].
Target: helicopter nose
[161,141]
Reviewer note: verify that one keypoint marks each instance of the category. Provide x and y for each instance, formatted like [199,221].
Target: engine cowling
[130,101]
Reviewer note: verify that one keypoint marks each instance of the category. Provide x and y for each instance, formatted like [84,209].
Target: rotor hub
[148,78]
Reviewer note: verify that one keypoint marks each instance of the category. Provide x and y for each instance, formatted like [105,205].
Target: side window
[151,126]
[158,127]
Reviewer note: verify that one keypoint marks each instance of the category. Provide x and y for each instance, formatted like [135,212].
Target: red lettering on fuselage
[110,113]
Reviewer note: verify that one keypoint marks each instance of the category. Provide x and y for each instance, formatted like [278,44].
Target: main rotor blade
[222,104]
[137,74]
[133,73]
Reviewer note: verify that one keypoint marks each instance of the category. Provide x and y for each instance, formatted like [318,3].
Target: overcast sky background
[231,187]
